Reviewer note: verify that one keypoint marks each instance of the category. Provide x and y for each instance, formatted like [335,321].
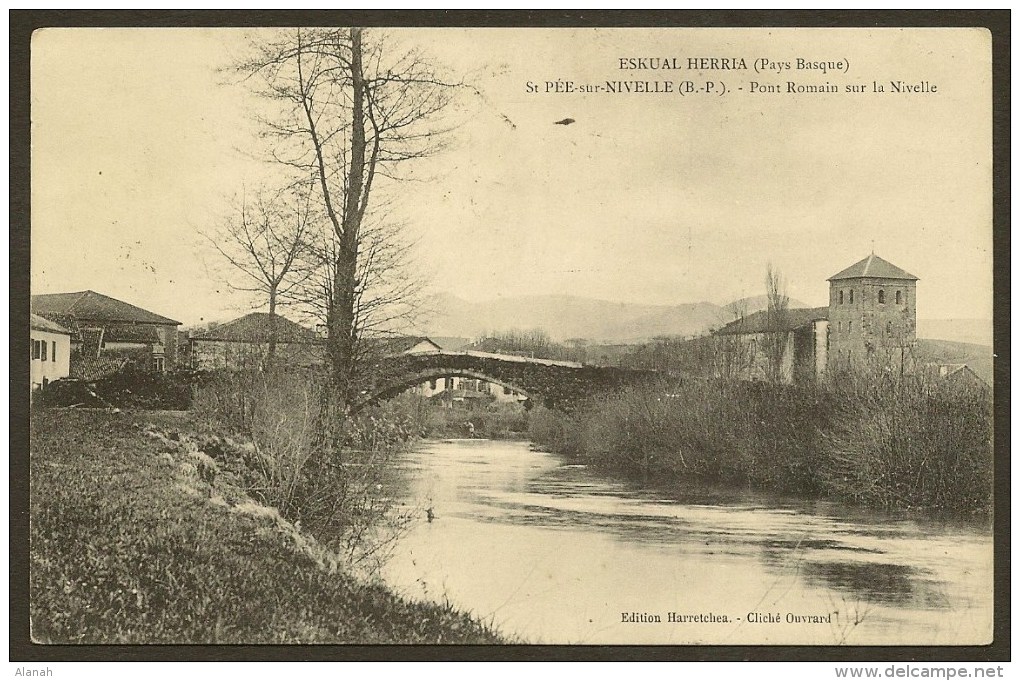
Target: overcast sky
[140,138]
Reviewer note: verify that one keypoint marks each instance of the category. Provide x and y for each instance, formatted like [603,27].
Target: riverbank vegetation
[143,531]
[329,476]
[494,421]
[910,442]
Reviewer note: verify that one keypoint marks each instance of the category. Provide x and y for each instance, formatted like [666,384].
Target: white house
[51,351]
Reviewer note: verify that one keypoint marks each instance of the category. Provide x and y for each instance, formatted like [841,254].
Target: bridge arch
[408,381]
[551,383]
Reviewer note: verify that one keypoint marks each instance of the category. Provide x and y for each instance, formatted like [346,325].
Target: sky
[140,137]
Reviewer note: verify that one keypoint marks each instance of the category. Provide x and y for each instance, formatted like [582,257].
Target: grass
[134,539]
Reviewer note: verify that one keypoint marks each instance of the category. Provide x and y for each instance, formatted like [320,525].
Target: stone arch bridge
[550,383]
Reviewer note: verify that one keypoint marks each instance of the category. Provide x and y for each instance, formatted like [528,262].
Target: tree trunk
[271,352]
[343,332]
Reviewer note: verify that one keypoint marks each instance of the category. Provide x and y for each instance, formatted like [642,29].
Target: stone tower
[872,315]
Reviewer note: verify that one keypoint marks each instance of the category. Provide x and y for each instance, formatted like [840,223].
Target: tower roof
[873,266]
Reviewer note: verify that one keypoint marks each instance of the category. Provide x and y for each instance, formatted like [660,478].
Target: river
[550,552]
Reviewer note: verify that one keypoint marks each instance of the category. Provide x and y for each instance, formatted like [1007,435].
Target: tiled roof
[873,266]
[43,324]
[94,368]
[792,319]
[136,333]
[92,306]
[255,328]
[401,344]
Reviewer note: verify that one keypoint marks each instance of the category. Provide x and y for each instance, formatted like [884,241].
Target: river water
[555,553]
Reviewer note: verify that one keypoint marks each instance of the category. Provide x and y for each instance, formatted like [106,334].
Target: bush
[128,388]
[328,476]
[905,443]
[498,421]
[918,443]
[555,430]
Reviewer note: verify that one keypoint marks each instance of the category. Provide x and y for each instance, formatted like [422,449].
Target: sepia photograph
[459,335]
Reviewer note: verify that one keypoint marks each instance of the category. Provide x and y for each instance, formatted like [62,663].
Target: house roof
[401,344]
[255,328]
[452,343]
[138,333]
[94,368]
[873,266]
[92,306]
[954,371]
[759,322]
[43,324]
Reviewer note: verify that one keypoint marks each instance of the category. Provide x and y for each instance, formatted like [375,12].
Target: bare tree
[264,243]
[349,112]
[387,292]
[776,322]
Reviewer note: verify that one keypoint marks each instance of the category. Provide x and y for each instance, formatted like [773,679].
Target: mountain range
[566,317]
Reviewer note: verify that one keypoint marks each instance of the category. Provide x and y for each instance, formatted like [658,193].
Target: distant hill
[978,331]
[751,304]
[565,317]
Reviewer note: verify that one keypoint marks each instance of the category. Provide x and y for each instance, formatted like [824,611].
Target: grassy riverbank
[137,537]
[911,444]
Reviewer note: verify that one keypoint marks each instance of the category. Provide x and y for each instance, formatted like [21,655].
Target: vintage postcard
[575,336]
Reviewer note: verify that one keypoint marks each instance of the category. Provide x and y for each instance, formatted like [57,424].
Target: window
[840,297]
[888,328]
[898,297]
[53,355]
[44,349]
[881,296]
[157,364]
[851,296]
[432,384]
[448,383]
[36,349]
[849,327]
[506,390]
[839,326]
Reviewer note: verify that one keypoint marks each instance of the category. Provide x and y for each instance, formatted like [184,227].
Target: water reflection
[557,553]
[882,583]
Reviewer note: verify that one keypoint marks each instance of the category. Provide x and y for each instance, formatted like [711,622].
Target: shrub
[129,388]
[328,476]
[555,430]
[495,420]
[917,443]
[910,442]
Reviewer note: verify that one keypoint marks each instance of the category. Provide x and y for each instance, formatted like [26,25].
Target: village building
[870,323]
[956,373]
[107,335]
[460,391]
[872,316]
[50,351]
[406,345]
[797,338]
[243,343]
